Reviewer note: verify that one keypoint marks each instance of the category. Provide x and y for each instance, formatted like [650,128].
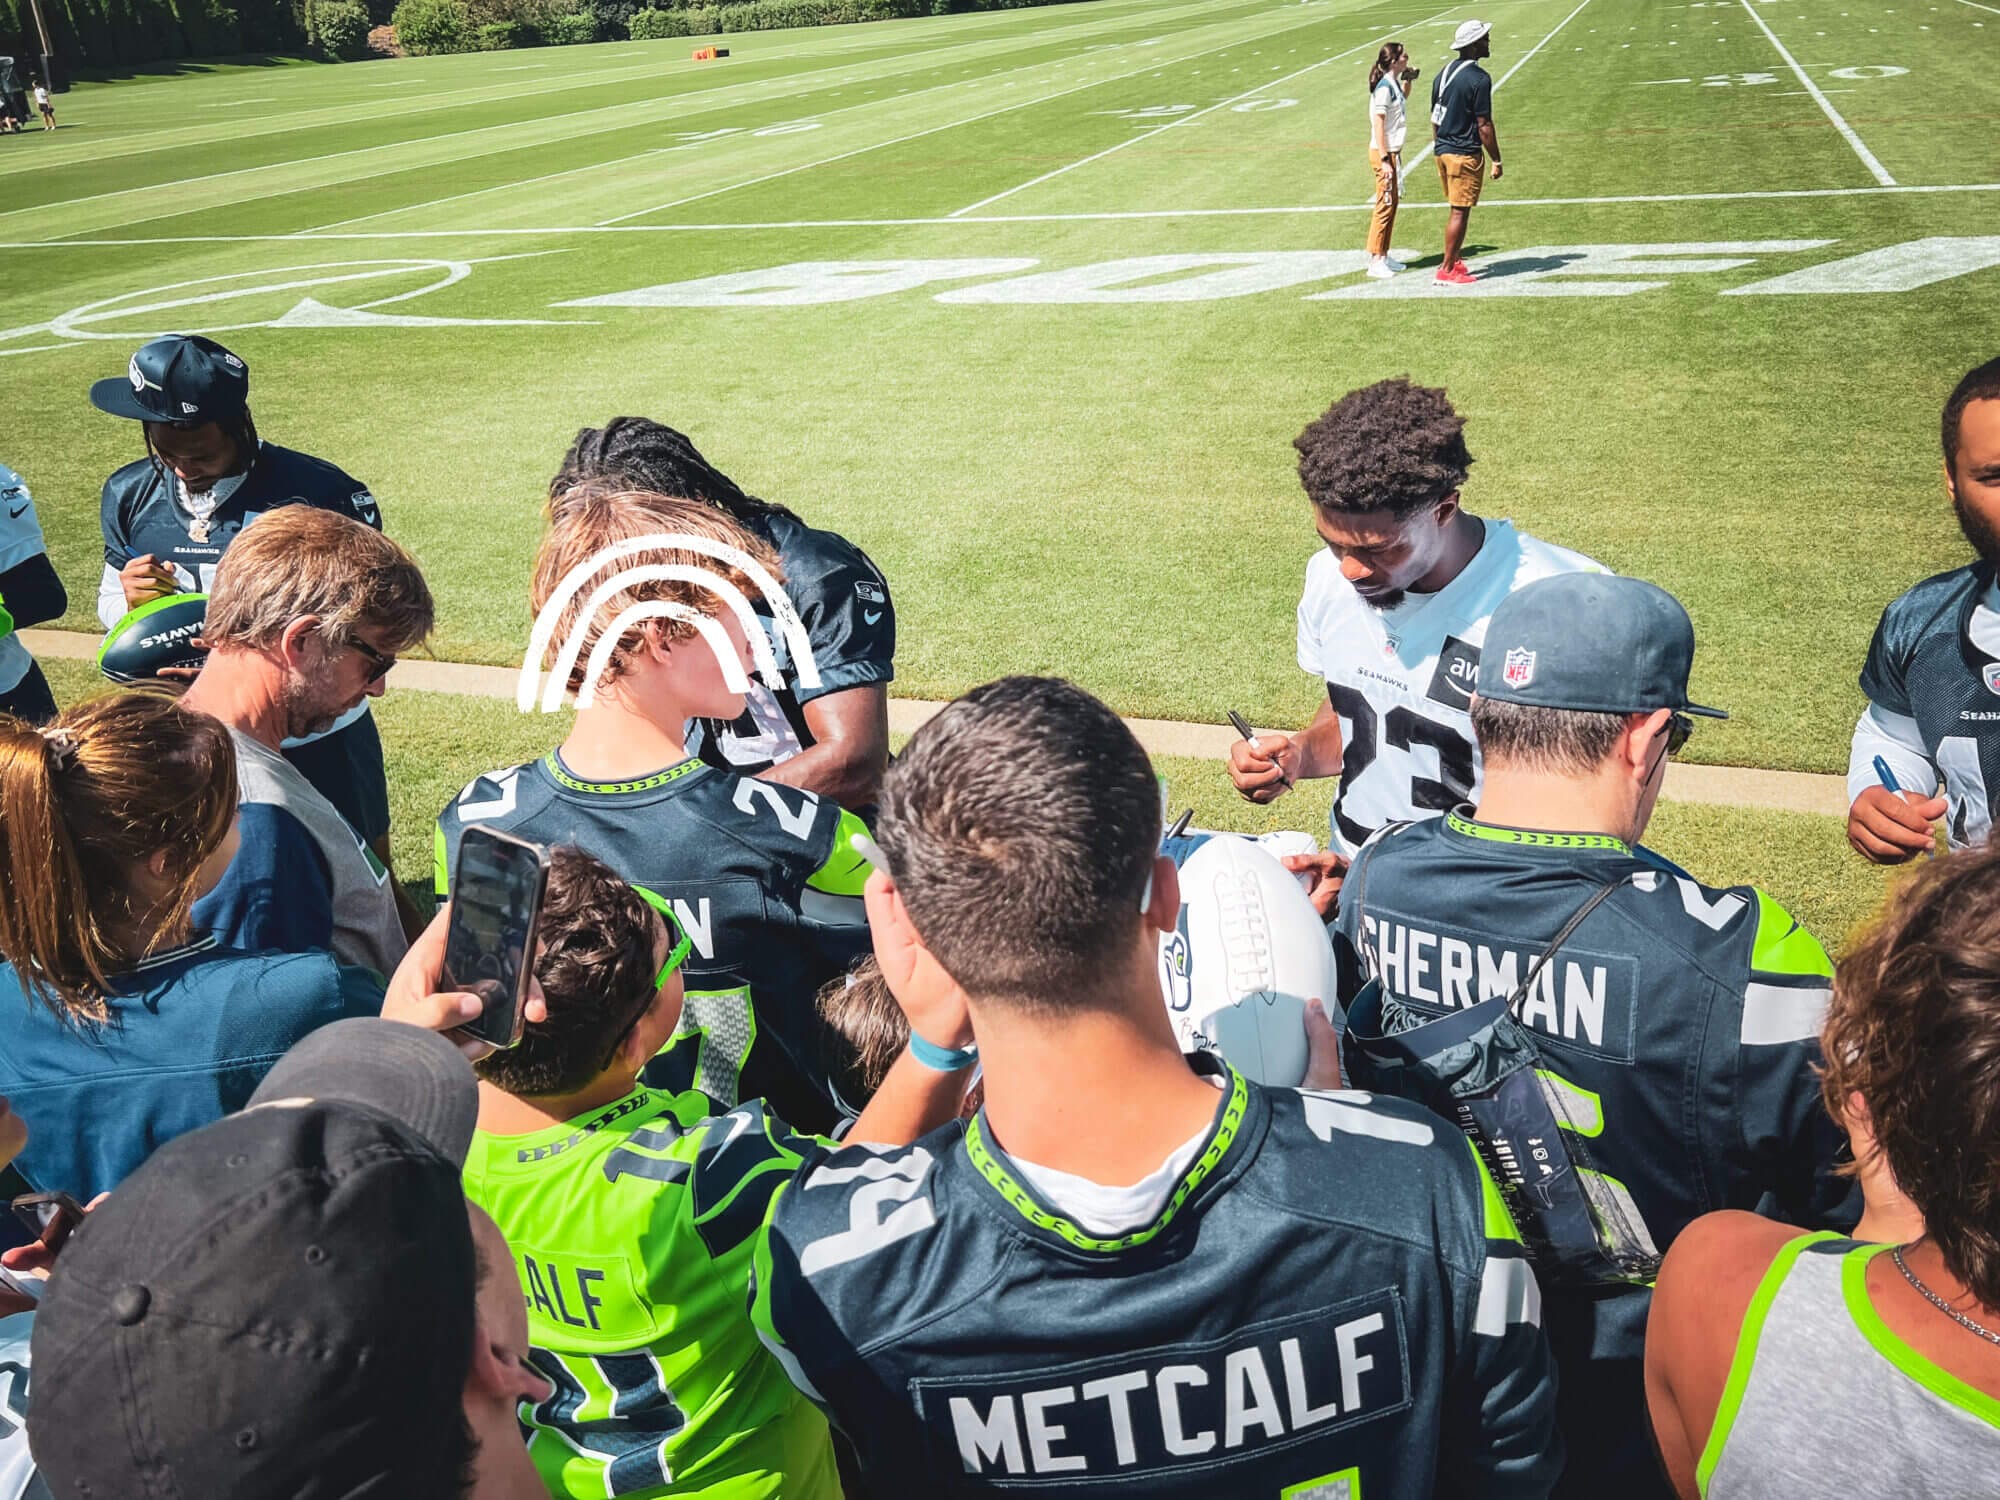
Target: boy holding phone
[635,1215]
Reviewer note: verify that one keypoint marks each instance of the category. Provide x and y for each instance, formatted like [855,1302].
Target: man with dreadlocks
[1393,616]
[834,738]
[168,518]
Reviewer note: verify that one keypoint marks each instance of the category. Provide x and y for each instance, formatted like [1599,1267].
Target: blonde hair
[84,802]
[298,560]
[586,520]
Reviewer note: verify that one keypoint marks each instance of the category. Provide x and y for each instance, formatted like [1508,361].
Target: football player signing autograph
[1393,616]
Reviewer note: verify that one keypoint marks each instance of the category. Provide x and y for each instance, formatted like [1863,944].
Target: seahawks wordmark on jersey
[20,540]
[633,1228]
[760,876]
[843,603]
[1678,1028]
[1933,683]
[141,513]
[1331,1304]
[1401,679]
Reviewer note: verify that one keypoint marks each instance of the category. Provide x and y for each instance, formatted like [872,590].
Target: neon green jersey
[633,1230]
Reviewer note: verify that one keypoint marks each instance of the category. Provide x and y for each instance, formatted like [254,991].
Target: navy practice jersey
[843,602]
[140,512]
[759,876]
[1678,1025]
[1332,1304]
[1935,660]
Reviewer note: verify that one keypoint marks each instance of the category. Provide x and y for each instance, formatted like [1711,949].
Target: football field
[1031,303]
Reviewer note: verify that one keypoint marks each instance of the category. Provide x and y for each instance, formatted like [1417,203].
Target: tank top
[1823,1398]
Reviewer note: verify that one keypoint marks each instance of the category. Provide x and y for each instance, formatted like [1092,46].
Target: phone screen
[496,905]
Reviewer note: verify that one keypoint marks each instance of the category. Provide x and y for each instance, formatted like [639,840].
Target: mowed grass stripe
[95,198]
[332,97]
[918,99]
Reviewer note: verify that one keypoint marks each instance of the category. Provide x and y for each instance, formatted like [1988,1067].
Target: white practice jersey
[1401,679]
[20,539]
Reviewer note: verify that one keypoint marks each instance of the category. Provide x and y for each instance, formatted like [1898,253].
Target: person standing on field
[48,109]
[1388,83]
[1462,127]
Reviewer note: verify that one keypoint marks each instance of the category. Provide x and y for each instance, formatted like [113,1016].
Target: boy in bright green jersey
[634,1215]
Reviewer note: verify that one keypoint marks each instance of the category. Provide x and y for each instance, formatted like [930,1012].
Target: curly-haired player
[1394,611]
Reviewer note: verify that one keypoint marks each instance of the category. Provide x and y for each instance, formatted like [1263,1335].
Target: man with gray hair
[307,614]
[1674,1025]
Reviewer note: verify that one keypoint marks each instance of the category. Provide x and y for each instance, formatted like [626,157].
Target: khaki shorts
[1462,176]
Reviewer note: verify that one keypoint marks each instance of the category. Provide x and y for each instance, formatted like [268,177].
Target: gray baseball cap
[1591,643]
[413,1076]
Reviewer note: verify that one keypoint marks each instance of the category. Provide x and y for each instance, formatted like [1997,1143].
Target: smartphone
[496,911]
[49,1217]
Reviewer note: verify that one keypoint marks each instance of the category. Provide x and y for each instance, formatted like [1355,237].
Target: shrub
[339,28]
[652,25]
[702,21]
[506,36]
[573,29]
[425,28]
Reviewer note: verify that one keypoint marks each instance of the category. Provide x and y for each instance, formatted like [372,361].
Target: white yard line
[1977,6]
[1144,213]
[1175,124]
[1879,172]
[1152,64]
[1411,165]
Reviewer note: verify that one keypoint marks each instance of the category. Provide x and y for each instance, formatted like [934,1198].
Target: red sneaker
[1456,275]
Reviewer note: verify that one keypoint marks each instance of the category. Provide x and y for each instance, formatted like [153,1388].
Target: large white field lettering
[806,283]
[1226,275]
[1893,268]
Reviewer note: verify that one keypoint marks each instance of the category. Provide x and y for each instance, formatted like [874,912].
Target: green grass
[436,742]
[1104,489]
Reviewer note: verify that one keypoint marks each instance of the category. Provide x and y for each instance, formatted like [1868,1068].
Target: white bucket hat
[1469,32]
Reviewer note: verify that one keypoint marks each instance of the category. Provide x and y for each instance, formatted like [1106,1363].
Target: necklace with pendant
[1939,1303]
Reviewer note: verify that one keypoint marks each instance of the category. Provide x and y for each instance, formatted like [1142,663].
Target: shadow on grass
[187,67]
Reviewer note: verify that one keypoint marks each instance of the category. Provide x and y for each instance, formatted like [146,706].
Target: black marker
[1242,727]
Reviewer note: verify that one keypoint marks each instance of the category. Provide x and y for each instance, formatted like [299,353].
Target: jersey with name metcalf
[850,625]
[1678,1025]
[1401,679]
[633,1229]
[141,513]
[1333,1303]
[760,876]
[1934,668]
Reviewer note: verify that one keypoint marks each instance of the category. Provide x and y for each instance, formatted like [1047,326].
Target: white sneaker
[1394,263]
[1380,269]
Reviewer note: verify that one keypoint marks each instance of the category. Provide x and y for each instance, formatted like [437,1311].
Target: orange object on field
[709,54]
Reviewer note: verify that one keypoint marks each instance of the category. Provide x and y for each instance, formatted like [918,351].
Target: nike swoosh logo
[14,513]
[872,616]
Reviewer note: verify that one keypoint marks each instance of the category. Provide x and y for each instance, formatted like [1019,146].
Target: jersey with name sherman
[759,875]
[1332,1303]
[1678,1024]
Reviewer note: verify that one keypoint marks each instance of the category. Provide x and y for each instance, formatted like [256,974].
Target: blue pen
[1887,777]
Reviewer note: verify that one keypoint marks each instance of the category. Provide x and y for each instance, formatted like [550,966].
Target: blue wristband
[942,1059]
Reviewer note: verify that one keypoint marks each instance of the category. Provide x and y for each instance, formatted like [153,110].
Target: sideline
[1718,786]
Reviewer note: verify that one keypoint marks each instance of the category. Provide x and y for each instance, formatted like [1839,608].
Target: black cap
[279,1303]
[1591,643]
[180,378]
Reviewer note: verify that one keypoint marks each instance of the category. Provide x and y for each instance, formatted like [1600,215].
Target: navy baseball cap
[281,1302]
[180,378]
[1591,643]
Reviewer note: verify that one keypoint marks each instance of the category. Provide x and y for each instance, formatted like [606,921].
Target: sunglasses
[1680,728]
[378,664]
[679,945]
[49,1217]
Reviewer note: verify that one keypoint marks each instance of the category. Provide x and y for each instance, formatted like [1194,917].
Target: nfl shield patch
[1518,670]
[1992,676]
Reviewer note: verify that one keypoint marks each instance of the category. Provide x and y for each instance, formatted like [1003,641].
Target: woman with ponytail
[121,1026]
[1388,84]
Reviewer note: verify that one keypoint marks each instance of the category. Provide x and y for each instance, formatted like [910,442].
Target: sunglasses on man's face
[1679,728]
[378,664]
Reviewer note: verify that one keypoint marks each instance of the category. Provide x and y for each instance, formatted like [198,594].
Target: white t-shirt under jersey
[1401,679]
